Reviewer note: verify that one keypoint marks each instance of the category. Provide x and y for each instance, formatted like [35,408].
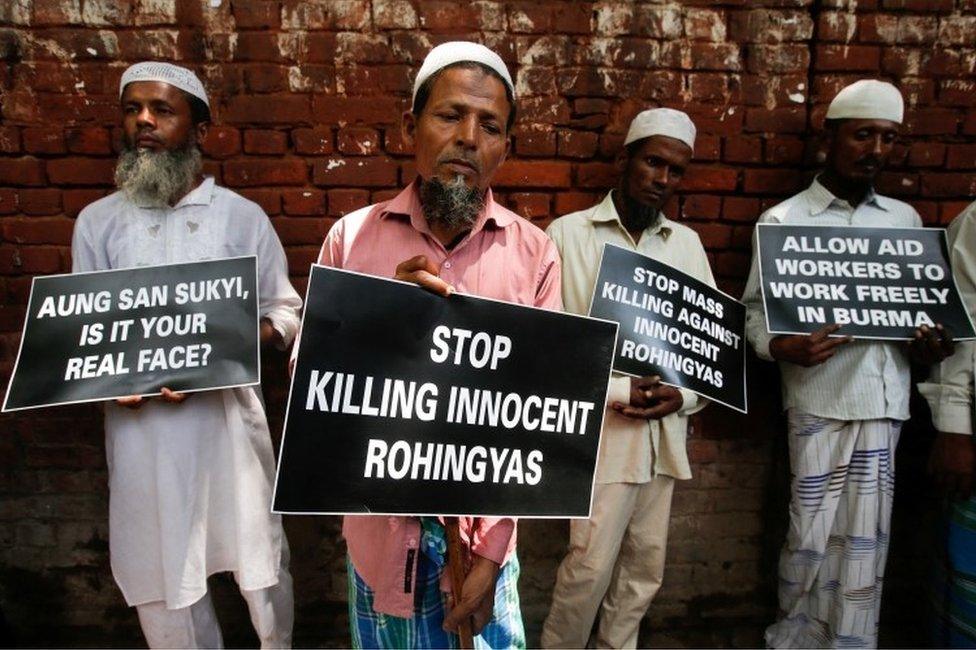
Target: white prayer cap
[868,99]
[662,121]
[168,73]
[447,54]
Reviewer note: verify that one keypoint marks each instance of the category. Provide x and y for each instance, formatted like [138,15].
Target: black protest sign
[672,325]
[404,402]
[107,334]
[877,283]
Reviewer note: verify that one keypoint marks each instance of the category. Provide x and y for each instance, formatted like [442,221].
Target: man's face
[156,116]
[859,149]
[461,130]
[650,176]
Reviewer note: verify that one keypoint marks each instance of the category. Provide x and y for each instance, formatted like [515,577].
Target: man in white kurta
[615,563]
[845,400]
[190,476]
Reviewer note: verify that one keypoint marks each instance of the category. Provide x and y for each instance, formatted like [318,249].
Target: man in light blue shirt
[845,400]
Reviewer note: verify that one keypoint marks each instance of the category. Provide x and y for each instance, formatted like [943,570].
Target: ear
[408,128]
[620,162]
[201,130]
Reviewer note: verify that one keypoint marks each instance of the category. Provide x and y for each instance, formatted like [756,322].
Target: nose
[662,174]
[879,145]
[466,134]
[145,118]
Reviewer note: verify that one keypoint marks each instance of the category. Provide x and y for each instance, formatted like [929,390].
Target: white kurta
[190,484]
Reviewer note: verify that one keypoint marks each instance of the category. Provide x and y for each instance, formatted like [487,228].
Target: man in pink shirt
[445,232]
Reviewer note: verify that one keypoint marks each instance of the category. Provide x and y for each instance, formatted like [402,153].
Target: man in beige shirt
[616,557]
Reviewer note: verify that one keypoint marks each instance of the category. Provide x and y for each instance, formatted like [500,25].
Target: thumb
[459,613]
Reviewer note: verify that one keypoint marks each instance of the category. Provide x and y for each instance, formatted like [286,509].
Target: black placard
[108,334]
[672,325]
[504,402]
[877,283]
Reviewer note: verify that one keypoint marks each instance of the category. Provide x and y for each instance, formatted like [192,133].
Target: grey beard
[157,178]
[452,204]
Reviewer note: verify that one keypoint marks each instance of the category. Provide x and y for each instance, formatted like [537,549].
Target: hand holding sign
[931,345]
[808,350]
[649,399]
[421,271]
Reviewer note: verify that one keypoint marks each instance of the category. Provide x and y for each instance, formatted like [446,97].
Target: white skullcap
[168,73]
[868,99]
[455,52]
[662,121]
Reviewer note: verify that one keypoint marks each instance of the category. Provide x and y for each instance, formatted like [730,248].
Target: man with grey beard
[190,477]
[452,234]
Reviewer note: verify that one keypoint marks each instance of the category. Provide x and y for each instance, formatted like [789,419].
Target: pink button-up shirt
[503,257]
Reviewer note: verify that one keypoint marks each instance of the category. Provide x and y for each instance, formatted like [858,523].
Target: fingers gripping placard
[106,334]
[407,402]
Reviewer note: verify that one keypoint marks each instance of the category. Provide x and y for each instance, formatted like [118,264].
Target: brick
[742,149]
[268,109]
[713,236]
[39,259]
[769,26]
[701,206]
[222,142]
[342,202]
[855,58]
[265,141]
[89,140]
[266,78]
[926,154]
[931,121]
[374,171]
[268,200]
[38,230]
[22,171]
[836,26]
[957,30]
[255,14]
[525,173]
[43,140]
[313,141]
[327,109]
[573,18]
[960,156]
[777,120]
[251,173]
[358,141]
[577,144]
[566,202]
[699,179]
[8,200]
[530,205]
[9,139]
[81,171]
[784,151]
[771,181]
[952,185]
[777,58]
[74,200]
[715,56]
[704,25]
[297,231]
[303,202]
[39,201]
[394,14]
[958,92]
[738,208]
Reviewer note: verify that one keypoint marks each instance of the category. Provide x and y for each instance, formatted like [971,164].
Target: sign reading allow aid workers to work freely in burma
[876,283]
[672,325]
[405,402]
[109,334]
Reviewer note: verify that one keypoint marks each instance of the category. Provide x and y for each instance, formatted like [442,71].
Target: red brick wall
[307,98]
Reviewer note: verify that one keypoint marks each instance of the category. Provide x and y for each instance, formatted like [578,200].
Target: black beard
[157,178]
[638,216]
[453,204]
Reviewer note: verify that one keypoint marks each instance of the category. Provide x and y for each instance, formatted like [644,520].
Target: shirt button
[412,543]
[447,264]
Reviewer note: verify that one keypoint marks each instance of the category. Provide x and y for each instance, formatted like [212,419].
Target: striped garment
[954,596]
[371,629]
[831,568]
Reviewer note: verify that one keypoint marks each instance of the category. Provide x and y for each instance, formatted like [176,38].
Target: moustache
[459,156]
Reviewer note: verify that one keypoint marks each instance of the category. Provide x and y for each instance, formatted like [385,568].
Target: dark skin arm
[478,597]
[649,399]
[807,350]
[268,335]
[930,345]
[952,464]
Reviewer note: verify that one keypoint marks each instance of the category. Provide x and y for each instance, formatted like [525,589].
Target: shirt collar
[200,195]
[407,204]
[606,212]
[820,198]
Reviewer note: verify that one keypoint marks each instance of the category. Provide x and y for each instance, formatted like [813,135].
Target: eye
[890,137]
[491,127]
[677,172]
[448,116]
[862,134]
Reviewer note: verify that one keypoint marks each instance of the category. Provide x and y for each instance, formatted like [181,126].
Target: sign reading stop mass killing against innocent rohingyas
[672,325]
[405,402]
[877,283]
[108,334]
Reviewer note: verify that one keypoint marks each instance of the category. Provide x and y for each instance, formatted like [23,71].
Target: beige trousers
[615,565]
[272,613]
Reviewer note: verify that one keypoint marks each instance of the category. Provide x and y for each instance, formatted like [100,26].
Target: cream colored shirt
[864,380]
[631,451]
[949,390]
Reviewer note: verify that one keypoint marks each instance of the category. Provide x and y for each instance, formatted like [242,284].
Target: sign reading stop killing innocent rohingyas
[877,283]
[108,334]
[405,402]
[672,325]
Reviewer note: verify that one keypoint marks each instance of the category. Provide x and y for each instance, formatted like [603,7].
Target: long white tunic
[190,484]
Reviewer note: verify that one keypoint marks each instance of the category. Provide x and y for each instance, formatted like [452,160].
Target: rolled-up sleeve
[280,303]
[494,538]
